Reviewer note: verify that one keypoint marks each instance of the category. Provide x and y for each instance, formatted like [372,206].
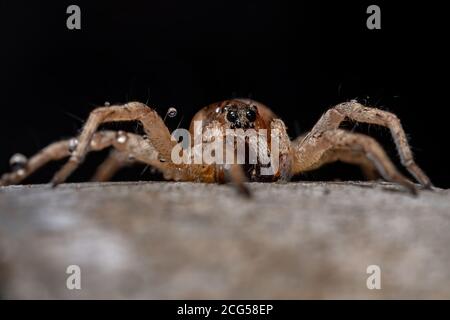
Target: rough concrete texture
[188,240]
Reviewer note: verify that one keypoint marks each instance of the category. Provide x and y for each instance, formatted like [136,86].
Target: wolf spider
[325,143]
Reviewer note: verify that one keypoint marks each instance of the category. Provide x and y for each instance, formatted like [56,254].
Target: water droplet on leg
[73,143]
[18,162]
[121,137]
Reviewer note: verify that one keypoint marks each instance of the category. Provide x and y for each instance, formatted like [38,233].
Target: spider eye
[232,116]
[251,115]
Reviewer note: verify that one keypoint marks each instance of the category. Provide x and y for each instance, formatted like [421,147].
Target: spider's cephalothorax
[246,117]
[325,143]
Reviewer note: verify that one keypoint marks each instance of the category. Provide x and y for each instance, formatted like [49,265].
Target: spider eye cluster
[240,116]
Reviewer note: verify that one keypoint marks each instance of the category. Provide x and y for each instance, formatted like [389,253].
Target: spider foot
[65,172]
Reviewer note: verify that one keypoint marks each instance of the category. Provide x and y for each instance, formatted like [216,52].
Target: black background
[300,58]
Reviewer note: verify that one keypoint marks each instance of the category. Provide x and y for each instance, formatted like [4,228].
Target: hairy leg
[53,152]
[354,157]
[125,143]
[357,112]
[157,133]
[313,151]
[235,174]
[115,161]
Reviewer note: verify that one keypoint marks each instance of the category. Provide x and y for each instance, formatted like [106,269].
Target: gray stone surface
[187,240]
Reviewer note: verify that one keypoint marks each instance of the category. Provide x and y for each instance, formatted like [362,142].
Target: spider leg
[53,152]
[348,156]
[314,151]
[235,174]
[115,161]
[157,133]
[125,143]
[357,112]
[353,157]
[128,149]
